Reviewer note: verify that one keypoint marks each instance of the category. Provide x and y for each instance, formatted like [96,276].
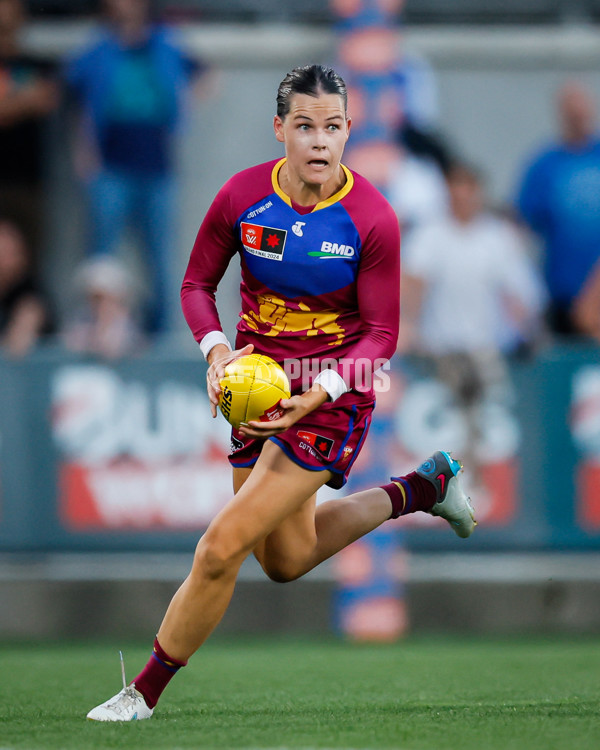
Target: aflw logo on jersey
[266,242]
[333,250]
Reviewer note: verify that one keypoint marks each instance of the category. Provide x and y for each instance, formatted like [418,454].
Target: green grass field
[420,694]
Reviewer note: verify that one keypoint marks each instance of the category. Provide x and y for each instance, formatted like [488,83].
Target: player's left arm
[378,294]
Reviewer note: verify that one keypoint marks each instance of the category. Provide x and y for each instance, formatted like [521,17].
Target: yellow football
[251,390]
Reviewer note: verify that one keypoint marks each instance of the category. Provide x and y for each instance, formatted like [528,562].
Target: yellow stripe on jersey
[275,180]
[340,193]
[347,187]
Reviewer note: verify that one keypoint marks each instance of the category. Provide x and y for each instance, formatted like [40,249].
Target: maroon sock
[156,675]
[416,494]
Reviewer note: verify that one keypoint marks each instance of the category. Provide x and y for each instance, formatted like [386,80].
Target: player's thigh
[294,538]
[283,554]
[240,474]
[275,490]
[294,533]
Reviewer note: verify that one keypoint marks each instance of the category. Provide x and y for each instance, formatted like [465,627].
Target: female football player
[319,249]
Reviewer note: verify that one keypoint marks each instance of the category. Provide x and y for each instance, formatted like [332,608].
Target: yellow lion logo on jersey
[274,315]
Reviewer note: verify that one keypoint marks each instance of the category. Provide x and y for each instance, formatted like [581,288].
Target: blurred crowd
[124,94]
[481,283]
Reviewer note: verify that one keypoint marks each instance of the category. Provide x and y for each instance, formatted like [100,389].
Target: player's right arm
[213,250]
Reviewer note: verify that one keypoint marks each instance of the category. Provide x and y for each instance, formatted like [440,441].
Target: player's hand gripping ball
[251,390]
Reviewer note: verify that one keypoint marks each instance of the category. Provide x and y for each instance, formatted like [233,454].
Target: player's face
[314,132]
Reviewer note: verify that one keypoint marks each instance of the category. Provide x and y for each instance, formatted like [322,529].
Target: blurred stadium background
[109,471]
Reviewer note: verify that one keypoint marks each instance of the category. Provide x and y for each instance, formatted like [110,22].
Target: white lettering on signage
[97,416]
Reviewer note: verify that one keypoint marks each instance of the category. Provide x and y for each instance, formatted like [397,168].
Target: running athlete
[319,250]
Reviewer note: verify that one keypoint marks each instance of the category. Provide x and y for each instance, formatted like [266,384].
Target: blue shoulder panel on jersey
[299,254]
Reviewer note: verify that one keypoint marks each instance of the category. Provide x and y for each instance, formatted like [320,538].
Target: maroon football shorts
[330,437]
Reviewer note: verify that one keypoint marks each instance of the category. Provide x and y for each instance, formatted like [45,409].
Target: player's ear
[278,127]
[348,126]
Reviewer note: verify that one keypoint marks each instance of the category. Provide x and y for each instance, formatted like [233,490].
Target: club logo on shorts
[236,444]
[322,444]
[266,242]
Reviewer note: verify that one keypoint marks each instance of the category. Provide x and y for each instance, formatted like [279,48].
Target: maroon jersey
[322,285]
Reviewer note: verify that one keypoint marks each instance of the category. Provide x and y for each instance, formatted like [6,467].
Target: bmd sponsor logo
[334,250]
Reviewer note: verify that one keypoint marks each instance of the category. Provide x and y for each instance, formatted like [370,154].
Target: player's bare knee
[213,561]
[217,556]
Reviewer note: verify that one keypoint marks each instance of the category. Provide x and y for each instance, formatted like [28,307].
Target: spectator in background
[28,94]
[131,85]
[418,131]
[105,322]
[416,190]
[559,198]
[470,297]
[393,99]
[24,314]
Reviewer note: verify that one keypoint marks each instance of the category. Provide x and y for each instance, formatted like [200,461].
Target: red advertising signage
[135,456]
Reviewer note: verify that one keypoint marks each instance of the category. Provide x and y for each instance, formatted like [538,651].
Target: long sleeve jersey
[321,286]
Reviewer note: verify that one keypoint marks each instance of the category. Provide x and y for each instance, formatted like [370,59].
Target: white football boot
[127,705]
[451,503]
